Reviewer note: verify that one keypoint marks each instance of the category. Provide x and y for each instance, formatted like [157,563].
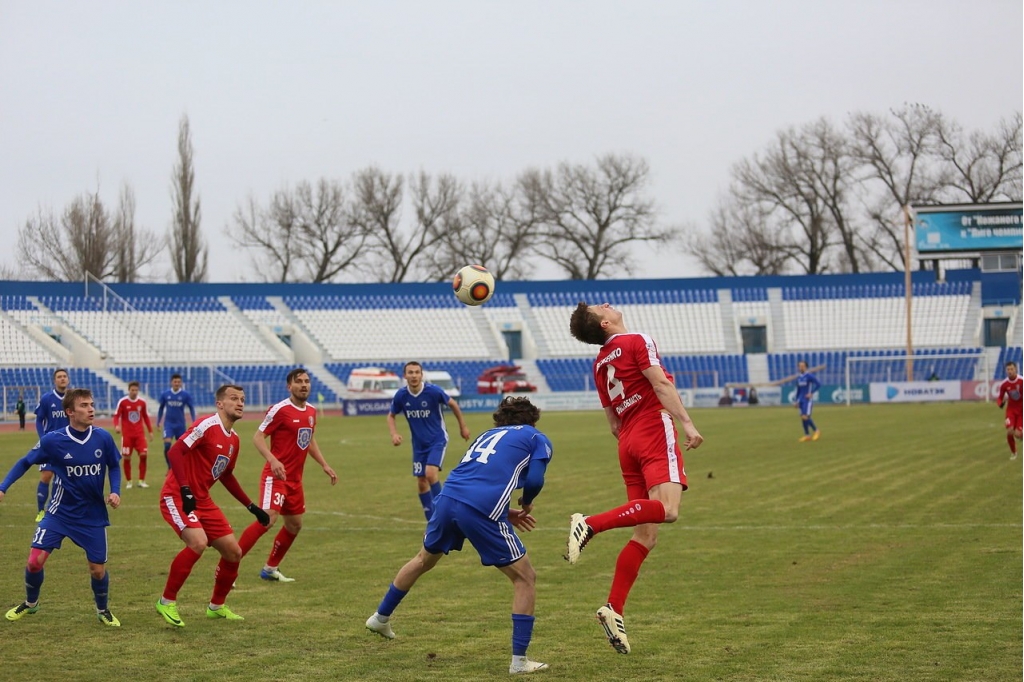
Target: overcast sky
[91,92]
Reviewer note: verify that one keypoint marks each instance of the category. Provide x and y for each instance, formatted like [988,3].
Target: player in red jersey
[290,425]
[640,401]
[1010,392]
[129,417]
[205,454]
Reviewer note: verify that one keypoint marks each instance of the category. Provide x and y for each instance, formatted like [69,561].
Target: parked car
[373,382]
[504,379]
[444,380]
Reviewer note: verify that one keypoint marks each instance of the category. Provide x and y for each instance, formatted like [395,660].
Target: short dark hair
[585,326]
[175,376]
[133,383]
[294,373]
[413,363]
[71,396]
[513,411]
[222,391]
[1011,363]
[58,371]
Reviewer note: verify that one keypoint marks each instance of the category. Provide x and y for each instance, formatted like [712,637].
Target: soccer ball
[473,285]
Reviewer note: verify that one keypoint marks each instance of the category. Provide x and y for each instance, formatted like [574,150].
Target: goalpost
[863,369]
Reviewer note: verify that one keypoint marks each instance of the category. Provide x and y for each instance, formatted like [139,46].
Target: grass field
[891,549]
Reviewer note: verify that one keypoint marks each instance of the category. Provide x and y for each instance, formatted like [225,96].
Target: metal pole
[908,219]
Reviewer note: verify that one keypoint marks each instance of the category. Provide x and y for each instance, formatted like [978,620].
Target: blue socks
[809,424]
[522,631]
[33,584]
[391,601]
[99,591]
[167,448]
[435,489]
[42,492]
[427,500]
[807,430]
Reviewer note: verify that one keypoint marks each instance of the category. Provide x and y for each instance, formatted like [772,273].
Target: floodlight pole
[907,220]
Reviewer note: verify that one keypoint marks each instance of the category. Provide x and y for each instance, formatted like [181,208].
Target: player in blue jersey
[423,406]
[806,385]
[172,413]
[474,505]
[50,417]
[81,457]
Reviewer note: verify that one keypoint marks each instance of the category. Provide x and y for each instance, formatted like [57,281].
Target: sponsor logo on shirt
[84,470]
[68,456]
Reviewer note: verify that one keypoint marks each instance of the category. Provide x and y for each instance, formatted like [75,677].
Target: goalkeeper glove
[261,516]
[188,500]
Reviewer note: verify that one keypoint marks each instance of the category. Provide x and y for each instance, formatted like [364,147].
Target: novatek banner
[915,391]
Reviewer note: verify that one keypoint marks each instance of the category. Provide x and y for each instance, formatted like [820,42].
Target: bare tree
[136,248]
[188,248]
[742,241]
[80,241]
[588,217]
[494,228]
[303,235]
[896,156]
[983,167]
[376,210]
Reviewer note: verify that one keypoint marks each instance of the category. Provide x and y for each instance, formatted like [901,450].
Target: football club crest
[304,438]
[98,453]
[134,417]
[220,465]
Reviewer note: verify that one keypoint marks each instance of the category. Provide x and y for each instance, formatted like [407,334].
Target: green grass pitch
[891,549]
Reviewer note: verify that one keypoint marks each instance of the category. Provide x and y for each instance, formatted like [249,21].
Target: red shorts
[207,516]
[1014,420]
[137,443]
[649,455]
[284,497]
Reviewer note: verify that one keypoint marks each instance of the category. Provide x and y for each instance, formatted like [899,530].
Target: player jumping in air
[173,402]
[423,406]
[1010,392]
[642,407]
[806,386]
[50,417]
[205,454]
[81,457]
[474,505]
[290,425]
[129,417]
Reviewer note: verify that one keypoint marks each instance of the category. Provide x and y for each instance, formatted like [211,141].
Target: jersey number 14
[484,447]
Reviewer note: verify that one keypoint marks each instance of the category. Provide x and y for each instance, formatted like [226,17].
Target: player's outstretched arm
[669,398]
[457,411]
[16,472]
[318,457]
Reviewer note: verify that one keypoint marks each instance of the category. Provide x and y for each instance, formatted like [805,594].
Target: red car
[504,379]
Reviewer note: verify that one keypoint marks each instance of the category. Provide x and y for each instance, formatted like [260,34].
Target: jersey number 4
[484,447]
[616,389]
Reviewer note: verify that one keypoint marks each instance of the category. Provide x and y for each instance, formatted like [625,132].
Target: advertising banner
[356,408]
[968,230]
[830,393]
[915,391]
[975,390]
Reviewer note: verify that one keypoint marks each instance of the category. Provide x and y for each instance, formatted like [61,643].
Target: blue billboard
[968,228]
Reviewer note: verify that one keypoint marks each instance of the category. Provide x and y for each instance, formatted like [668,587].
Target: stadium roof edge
[22,288]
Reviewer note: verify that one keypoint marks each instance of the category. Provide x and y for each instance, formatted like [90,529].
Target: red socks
[224,580]
[627,568]
[1013,443]
[127,464]
[142,467]
[282,542]
[250,536]
[633,513]
[180,569]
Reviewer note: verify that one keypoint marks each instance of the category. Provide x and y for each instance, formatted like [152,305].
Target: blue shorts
[173,431]
[805,405]
[432,455]
[453,522]
[51,531]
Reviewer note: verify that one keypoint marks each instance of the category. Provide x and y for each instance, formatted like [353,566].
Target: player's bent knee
[36,560]
[671,515]
[97,571]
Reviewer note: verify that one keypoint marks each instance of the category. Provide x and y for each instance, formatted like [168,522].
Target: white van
[444,380]
[373,382]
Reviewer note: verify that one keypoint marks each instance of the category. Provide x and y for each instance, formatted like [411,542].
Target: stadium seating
[928,362]
[1009,354]
[32,382]
[689,371]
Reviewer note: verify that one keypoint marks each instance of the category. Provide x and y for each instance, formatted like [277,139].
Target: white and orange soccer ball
[473,285]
